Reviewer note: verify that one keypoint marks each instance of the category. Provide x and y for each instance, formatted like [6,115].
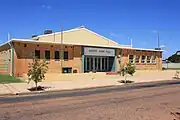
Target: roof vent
[157,48]
[33,36]
[82,26]
[48,32]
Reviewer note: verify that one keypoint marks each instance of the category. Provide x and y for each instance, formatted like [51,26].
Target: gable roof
[55,38]
[79,35]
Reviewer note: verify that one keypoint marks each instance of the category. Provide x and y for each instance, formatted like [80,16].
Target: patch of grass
[9,79]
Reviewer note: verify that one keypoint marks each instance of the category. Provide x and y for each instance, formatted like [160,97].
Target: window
[153,59]
[56,55]
[47,54]
[66,55]
[131,58]
[143,59]
[148,59]
[67,70]
[137,58]
[25,45]
[37,54]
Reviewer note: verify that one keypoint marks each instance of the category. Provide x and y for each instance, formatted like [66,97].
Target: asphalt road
[149,101]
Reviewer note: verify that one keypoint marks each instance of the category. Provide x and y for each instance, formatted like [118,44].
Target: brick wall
[5,59]
[23,56]
[123,58]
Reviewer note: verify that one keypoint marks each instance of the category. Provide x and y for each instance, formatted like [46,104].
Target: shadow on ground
[126,81]
[39,88]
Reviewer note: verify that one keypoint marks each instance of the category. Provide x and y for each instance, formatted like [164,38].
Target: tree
[175,58]
[127,69]
[37,71]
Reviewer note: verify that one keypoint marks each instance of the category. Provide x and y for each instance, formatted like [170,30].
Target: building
[77,50]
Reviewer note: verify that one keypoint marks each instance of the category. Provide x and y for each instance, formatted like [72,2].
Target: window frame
[45,57]
[148,60]
[131,60]
[138,59]
[153,61]
[66,56]
[55,57]
[37,56]
[143,61]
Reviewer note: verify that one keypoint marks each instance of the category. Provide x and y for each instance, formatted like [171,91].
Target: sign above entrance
[98,51]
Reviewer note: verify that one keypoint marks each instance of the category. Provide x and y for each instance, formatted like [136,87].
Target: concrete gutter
[95,90]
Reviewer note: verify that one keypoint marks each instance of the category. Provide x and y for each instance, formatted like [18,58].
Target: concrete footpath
[57,82]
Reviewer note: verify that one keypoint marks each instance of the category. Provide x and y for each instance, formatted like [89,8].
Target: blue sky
[115,19]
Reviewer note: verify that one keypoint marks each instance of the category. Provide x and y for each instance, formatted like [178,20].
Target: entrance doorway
[98,64]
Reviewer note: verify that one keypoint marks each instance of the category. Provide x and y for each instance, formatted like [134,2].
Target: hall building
[78,50]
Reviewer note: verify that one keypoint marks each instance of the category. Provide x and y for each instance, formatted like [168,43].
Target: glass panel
[137,58]
[37,54]
[143,59]
[107,64]
[153,59]
[66,55]
[91,63]
[148,59]
[47,54]
[103,63]
[99,64]
[131,58]
[87,64]
[56,55]
[95,60]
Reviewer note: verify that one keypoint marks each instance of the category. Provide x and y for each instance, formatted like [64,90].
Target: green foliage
[127,69]
[37,70]
[174,58]
[130,69]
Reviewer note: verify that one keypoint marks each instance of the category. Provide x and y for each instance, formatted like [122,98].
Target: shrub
[37,71]
[127,69]
[130,69]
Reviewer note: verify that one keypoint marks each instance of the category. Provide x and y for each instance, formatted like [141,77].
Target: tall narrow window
[47,54]
[65,55]
[137,59]
[148,59]
[143,59]
[37,54]
[153,59]
[56,55]
[131,58]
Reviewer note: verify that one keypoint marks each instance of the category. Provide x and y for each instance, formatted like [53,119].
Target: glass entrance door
[99,64]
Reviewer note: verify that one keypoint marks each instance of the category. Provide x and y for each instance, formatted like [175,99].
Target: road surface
[147,103]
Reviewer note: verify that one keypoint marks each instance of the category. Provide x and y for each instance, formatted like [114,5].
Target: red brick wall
[5,57]
[124,53]
[23,56]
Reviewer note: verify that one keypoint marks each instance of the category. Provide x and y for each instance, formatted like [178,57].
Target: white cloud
[46,6]
[162,46]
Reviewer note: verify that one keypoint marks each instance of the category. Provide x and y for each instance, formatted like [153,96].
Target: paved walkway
[77,81]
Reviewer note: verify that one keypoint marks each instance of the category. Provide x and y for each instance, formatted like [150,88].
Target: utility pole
[158,40]
[9,36]
[61,51]
[131,42]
